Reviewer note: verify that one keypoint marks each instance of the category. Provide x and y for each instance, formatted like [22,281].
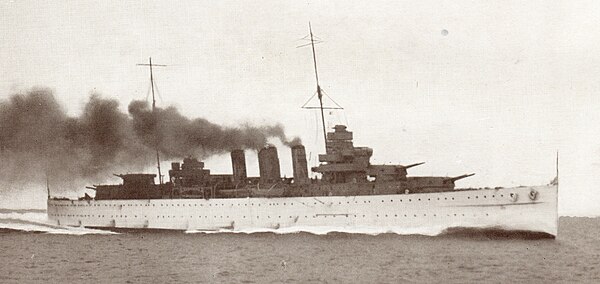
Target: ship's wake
[324,230]
[459,232]
[494,233]
[36,221]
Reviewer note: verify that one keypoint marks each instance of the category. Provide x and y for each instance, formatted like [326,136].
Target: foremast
[320,91]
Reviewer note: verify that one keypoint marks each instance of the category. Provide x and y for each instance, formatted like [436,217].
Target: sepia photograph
[299,141]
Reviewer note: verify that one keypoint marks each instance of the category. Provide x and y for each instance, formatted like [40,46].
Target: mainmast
[320,91]
[155,117]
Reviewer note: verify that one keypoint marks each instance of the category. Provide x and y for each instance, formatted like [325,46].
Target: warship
[349,194]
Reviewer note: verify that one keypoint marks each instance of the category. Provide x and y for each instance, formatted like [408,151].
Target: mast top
[152,78]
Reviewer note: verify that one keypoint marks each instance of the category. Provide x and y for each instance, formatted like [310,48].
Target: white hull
[483,208]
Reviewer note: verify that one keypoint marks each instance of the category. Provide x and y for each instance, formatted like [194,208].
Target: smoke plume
[38,138]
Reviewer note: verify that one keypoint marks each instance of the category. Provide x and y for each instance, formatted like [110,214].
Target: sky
[494,88]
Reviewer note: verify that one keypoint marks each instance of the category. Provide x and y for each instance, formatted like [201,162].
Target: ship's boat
[351,195]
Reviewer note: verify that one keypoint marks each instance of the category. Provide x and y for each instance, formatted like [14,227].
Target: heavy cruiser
[351,195]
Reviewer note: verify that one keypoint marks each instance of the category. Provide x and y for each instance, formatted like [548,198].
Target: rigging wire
[158,92]
[148,92]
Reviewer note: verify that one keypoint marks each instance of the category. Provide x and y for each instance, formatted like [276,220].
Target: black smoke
[177,135]
[39,139]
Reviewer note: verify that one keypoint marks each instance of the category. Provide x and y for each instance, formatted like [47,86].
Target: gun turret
[453,179]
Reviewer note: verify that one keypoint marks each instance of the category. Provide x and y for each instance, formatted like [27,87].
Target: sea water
[34,251]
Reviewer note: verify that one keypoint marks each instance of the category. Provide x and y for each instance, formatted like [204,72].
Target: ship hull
[531,209]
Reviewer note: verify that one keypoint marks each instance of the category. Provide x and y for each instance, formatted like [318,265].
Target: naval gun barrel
[91,187]
[413,165]
[453,179]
